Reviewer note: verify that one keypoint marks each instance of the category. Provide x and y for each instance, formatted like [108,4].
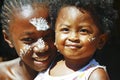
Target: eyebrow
[27,33]
[64,25]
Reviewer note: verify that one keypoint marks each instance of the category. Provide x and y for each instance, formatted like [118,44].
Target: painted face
[77,36]
[33,44]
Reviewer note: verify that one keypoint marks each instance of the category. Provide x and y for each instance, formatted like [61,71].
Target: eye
[28,40]
[84,31]
[64,30]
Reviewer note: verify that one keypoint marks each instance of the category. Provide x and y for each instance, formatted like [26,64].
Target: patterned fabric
[82,74]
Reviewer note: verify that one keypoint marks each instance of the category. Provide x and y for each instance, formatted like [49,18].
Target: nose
[40,46]
[73,37]
[40,49]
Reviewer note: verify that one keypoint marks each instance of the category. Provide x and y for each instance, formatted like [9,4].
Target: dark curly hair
[102,12]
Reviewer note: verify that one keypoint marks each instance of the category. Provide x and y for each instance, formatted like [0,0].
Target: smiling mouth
[40,58]
[73,46]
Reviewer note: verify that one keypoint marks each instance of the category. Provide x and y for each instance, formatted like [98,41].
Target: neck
[29,73]
[75,65]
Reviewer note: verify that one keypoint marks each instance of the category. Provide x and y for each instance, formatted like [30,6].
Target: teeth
[41,58]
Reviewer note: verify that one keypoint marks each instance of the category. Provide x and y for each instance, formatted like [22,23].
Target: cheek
[16,41]
[89,43]
[60,38]
[17,45]
[85,41]
[23,50]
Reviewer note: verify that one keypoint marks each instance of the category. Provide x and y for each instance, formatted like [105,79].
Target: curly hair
[9,7]
[102,12]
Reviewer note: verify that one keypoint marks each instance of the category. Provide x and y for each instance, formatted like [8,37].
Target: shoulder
[99,74]
[9,63]
[6,67]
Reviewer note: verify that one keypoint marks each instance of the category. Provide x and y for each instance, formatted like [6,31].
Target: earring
[54,43]
[56,46]
[58,51]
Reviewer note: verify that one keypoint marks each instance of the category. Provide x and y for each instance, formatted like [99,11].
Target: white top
[82,74]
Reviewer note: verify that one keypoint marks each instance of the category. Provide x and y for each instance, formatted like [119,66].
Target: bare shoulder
[99,74]
[9,63]
[6,67]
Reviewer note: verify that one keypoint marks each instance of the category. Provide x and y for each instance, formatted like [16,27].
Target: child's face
[77,36]
[33,43]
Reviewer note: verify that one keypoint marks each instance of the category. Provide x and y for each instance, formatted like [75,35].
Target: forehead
[23,15]
[72,13]
[67,9]
[31,11]
[27,12]
[76,17]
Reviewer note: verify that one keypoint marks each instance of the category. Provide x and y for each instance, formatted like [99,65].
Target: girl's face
[77,36]
[33,43]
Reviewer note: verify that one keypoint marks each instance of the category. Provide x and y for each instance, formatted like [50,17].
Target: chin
[41,69]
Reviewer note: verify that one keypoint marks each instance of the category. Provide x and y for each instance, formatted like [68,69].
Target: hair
[7,11]
[102,12]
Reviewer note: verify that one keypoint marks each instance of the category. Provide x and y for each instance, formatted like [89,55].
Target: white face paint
[24,50]
[39,23]
[40,45]
[91,39]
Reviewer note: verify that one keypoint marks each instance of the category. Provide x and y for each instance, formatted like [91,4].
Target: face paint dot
[91,39]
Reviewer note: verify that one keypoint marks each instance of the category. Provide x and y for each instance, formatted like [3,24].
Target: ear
[102,40]
[6,38]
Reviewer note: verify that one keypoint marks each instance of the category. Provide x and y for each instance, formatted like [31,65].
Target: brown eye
[84,31]
[65,30]
[28,40]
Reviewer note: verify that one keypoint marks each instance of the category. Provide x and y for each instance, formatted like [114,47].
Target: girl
[82,29]
[27,27]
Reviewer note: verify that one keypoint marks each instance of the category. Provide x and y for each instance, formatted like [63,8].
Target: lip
[40,58]
[39,63]
[73,46]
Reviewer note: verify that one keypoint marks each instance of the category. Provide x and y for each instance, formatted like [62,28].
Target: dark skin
[74,29]
[22,33]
